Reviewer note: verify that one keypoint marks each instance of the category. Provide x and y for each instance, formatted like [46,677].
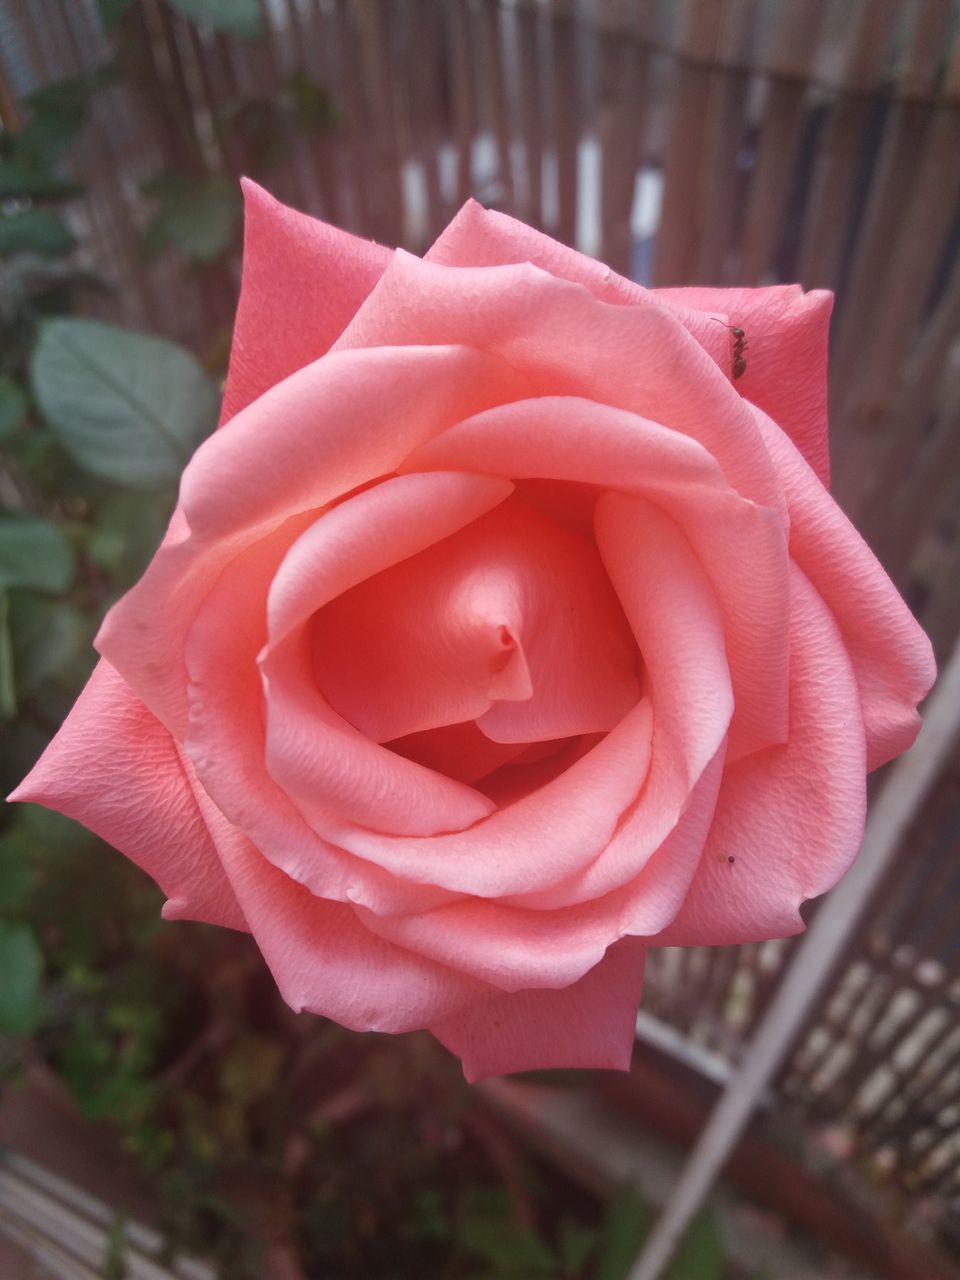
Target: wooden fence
[707,141]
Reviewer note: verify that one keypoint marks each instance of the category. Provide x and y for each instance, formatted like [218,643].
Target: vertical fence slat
[681,219]
[893,177]
[839,151]
[792,52]
[723,129]
[912,472]
[564,116]
[500,107]
[531,112]
[620,124]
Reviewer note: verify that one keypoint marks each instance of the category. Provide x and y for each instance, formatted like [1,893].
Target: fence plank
[682,216]
[788,63]
[839,150]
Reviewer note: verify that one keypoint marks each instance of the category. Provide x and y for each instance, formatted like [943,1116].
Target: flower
[500,633]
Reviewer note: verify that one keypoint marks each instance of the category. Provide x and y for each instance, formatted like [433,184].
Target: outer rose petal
[589,1024]
[517,949]
[892,657]
[115,768]
[479,237]
[324,960]
[786,375]
[302,282]
[640,358]
[791,817]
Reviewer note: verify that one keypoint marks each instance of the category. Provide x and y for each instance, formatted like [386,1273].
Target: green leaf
[8,684]
[577,1245]
[700,1255]
[34,231]
[312,106]
[129,529]
[625,1229]
[250,1069]
[21,980]
[511,1249]
[13,406]
[241,17]
[35,554]
[72,93]
[111,11]
[47,137]
[17,877]
[115,1251]
[200,219]
[58,114]
[48,638]
[23,180]
[126,406]
[486,1230]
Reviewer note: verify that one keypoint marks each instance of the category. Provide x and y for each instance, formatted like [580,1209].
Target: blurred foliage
[359,1157]
[239,17]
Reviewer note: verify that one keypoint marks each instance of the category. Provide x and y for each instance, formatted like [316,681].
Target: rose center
[502,635]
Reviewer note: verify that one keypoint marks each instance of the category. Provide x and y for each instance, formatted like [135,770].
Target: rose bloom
[499,634]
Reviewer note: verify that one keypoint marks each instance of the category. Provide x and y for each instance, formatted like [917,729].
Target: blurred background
[159,1100]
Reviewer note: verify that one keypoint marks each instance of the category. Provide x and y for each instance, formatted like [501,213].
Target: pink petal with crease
[302,282]
[569,438]
[589,1024]
[323,959]
[791,817]
[639,358]
[115,768]
[325,430]
[892,657]
[479,237]
[787,333]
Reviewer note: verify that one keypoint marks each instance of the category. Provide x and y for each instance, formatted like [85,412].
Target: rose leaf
[21,991]
[124,405]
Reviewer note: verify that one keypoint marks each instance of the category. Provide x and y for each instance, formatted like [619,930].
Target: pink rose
[501,633]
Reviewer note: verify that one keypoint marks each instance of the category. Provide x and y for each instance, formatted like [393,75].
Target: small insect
[738,364]
[727,857]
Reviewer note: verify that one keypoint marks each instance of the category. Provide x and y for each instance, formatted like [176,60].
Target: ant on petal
[738,364]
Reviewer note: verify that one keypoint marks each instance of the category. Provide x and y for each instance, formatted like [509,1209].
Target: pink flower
[500,633]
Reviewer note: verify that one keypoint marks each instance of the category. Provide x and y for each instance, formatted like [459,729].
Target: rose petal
[791,817]
[573,817]
[515,948]
[892,657]
[639,358]
[332,426]
[671,608]
[322,958]
[787,334]
[682,642]
[589,1024]
[568,438]
[115,768]
[382,653]
[302,282]
[479,237]
[226,742]
[337,424]
[461,751]
[320,762]
[510,621]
